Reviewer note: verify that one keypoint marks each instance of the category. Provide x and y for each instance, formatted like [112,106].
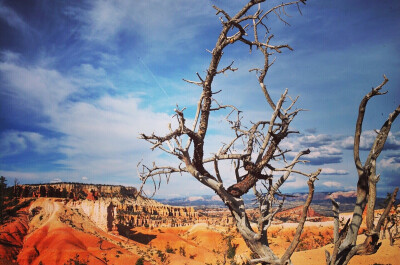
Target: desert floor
[57,233]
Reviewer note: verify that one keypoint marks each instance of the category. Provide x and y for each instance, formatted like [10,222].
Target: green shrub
[76,261]
[168,249]
[140,261]
[182,251]
[231,252]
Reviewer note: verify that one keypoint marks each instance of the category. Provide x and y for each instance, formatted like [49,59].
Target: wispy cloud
[390,163]
[12,18]
[104,22]
[76,93]
[39,89]
[324,149]
[16,142]
[9,56]
[97,137]
[332,184]
[367,139]
[331,171]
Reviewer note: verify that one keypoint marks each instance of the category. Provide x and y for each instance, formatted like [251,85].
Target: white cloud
[38,177]
[41,90]
[88,76]
[11,144]
[12,18]
[9,56]
[390,163]
[295,183]
[324,149]
[332,184]
[56,180]
[14,142]
[195,198]
[367,139]
[104,21]
[313,140]
[331,171]
[99,136]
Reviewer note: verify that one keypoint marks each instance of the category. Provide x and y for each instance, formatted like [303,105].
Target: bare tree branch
[252,150]
[366,188]
[289,251]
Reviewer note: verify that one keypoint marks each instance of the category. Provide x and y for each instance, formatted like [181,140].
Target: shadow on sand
[126,231]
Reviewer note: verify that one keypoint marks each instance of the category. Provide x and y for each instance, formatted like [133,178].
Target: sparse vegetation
[105,259]
[182,251]
[163,257]
[77,261]
[231,251]
[140,261]
[274,234]
[3,186]
[169,249]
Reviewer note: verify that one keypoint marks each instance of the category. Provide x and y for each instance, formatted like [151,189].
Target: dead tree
[392,225]
[253,150]
[391,221]
[345,242]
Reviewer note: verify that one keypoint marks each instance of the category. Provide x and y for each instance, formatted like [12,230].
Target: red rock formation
[75,190]
[293,214]
[12,235]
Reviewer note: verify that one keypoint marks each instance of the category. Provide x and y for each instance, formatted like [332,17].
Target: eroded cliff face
[75,190]
[146,212]
[102,211]
[108,213]
[109,206]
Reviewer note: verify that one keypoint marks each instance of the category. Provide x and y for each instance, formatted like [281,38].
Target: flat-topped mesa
[75,190]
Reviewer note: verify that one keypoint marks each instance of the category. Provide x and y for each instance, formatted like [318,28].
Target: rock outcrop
[294,214]
[109,205]
[75,190]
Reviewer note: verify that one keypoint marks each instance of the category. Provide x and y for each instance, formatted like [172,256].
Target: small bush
[231,252]
[140,261]
[163,257]
[168,249]
[76,261]
[182,251]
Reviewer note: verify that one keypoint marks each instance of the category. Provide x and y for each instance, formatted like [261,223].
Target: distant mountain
[321,201]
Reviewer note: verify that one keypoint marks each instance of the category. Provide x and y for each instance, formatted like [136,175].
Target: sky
[80,80]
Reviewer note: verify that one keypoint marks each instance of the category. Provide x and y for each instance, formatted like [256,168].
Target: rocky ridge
[113,207]
[74,190]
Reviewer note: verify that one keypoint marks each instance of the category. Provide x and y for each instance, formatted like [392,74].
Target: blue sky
[81,79]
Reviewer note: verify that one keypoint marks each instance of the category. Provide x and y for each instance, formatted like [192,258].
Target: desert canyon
[71,223]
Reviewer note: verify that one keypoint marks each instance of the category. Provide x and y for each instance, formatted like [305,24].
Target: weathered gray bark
[366,189]
[261,140]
